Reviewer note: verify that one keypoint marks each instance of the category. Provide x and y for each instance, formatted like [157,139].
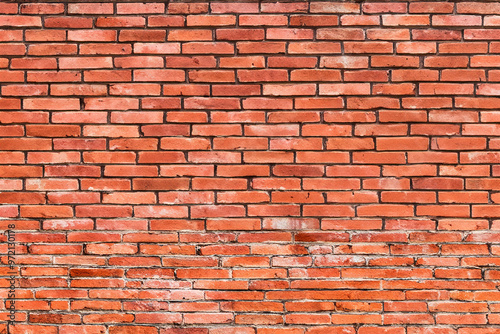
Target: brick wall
[251,168]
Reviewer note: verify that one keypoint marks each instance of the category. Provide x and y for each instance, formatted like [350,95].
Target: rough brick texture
[252,167]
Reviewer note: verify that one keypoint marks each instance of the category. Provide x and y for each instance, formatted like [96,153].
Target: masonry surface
[251,167]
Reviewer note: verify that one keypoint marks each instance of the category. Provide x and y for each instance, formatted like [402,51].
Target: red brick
[68,22]
[374,7]
[362,20]
[326,7]
[360,153]
[137,8]
[435,34]
[122,21]
[437,7]
[20,21]
[262,20]
[194,8]
[107,75]
[245,7]
[284,7]
[395,61]
[445,88]
[209,20]
[416,47]
[52,49]
[42,8]
[190,35]
[142,35]
[83,8]
[262,75]
[92,35]
[289,33]
[137,61]
[260,47]
[480,34]
[46,36]
[32,63]
[340,34]
[463,47]
[313,20]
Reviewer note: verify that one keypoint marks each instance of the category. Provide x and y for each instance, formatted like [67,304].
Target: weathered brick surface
[299,167]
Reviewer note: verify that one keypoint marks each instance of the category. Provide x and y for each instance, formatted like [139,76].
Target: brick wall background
[251,167]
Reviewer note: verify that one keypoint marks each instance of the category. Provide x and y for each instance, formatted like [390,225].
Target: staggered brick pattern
[252,168]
